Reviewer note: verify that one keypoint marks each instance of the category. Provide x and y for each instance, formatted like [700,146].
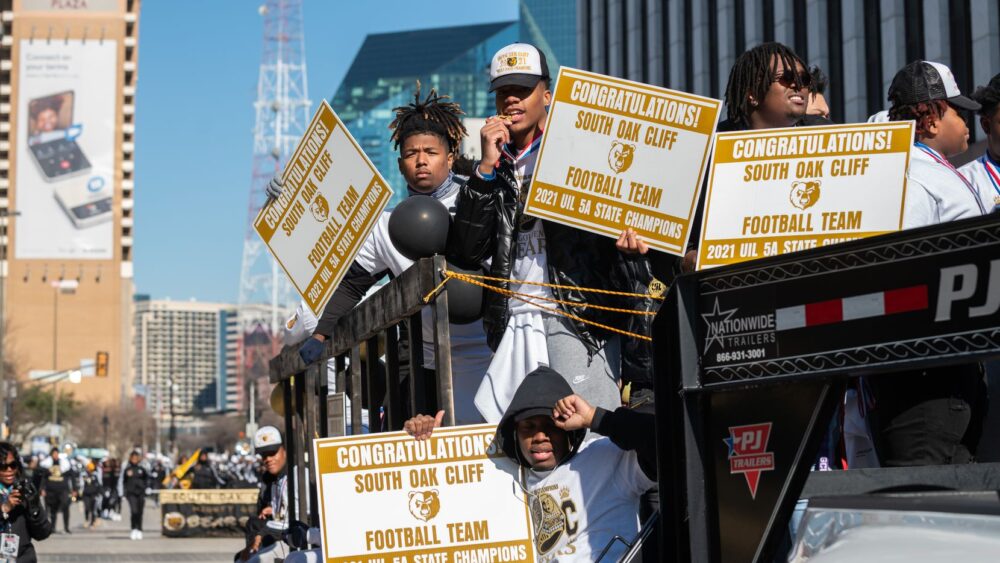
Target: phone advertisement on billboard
[64,183]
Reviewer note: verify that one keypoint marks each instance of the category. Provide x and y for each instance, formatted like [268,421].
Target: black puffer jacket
[487,217]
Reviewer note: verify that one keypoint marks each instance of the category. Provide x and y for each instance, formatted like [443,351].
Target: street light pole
[60,286]
[173,425]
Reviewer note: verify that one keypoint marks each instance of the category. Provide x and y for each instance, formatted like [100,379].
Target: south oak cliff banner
[777,191]
[455,497]
[331,199]
[619,154]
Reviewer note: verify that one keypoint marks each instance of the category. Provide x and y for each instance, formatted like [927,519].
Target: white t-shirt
[935,192]
[580,505]
[470,356]
[979,173]
[531,264]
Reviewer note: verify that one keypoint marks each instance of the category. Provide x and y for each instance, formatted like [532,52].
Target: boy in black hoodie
[583,490]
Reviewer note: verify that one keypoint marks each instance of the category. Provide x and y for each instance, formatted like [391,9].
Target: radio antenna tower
[282,114]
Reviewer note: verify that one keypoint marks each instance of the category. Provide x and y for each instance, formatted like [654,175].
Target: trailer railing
[388,324]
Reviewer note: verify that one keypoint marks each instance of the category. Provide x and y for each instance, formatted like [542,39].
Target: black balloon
[418,227]
[465,300]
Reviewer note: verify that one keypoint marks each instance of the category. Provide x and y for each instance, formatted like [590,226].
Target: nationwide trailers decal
[870,306]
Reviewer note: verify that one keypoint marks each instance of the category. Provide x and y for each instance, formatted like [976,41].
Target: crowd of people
[38,492]
[573,400]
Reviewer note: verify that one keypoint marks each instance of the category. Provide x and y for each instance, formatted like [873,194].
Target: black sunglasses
[6,466]
[787,78]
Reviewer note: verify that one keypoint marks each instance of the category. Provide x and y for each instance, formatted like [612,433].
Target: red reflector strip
[906,299]
[824,312]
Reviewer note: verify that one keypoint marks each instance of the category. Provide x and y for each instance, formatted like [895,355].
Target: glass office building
[455,60]
[551,26]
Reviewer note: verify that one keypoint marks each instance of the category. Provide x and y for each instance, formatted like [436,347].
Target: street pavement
[110,542]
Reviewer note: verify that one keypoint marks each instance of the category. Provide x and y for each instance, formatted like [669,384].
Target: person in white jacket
[984,172]
[932,416]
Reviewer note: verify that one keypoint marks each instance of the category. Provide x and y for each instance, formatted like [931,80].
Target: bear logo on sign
[320,208]
[804,194]
[620,157]
[424,505]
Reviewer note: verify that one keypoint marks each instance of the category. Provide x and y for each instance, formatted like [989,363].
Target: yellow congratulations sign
[777,191]
[618,154]
[333,195]
[454,497]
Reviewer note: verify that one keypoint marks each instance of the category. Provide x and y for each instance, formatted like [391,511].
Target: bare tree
[127,428]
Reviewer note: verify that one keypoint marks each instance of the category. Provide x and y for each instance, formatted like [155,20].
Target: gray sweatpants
[593,378]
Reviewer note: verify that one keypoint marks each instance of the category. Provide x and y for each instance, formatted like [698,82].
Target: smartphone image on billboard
[50,138]
[86,204]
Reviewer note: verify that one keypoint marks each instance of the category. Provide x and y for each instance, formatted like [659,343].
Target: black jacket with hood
[538,394]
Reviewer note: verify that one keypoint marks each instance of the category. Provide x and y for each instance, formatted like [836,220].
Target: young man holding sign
[581,492]
[490,225]
[934,416]
[427,133]
[769,87]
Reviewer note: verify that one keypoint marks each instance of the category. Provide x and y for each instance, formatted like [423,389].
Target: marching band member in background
[58,486]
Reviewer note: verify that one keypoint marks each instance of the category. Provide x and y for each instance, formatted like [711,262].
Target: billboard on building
[64,183]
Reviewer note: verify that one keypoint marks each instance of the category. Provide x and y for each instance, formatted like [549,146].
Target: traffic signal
[101,368]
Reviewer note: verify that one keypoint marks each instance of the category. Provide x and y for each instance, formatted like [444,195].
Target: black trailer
[753,358]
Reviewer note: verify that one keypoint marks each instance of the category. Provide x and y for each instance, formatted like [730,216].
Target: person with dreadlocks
[769,87]
[427,132]
[932,416]
[984,172]
[490,225]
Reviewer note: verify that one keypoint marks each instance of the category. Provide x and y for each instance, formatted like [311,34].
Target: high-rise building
[455,60]
[691,45]
[550,25]
[186,355]
[67,138]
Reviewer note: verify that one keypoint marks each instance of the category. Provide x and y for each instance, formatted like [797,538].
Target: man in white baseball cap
[491,226]
[264,531]
[518,64]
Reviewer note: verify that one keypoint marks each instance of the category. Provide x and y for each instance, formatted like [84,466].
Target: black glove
[296,535]
[311,350]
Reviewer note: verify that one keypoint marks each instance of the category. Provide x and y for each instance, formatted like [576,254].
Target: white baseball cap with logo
[267,440]
[518,64]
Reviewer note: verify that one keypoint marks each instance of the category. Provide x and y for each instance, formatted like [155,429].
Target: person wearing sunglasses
[24,517]
[769,87]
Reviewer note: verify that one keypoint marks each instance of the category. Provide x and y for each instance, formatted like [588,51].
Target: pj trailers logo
[748,452]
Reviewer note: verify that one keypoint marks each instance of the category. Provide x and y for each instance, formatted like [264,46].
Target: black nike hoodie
[538,394]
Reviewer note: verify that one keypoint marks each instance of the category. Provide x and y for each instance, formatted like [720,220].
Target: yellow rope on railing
[531,299]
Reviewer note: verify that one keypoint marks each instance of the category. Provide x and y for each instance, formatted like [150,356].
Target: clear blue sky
[197,82]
